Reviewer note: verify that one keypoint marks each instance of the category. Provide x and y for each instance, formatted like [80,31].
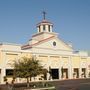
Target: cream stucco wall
[76,61]
[55,58]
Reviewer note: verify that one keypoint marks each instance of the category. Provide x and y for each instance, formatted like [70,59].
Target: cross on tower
[44,15]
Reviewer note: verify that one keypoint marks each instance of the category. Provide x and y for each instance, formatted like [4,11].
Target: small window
[39,29]
[49,28]
[54,43]
[43,27]
[9,72]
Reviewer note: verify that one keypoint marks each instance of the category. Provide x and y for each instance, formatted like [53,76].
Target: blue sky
[71,19]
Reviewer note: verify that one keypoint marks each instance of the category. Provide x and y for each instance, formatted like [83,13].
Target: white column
[70,73]
[49,65]
[41,27]
[80,72]
[60,66]
[86,72]
[3,69]
[87,69]
[60,73]
[38,29]
[0,74]
[48,76]
[80,68]
[51,28]
[3,73]
[46,28]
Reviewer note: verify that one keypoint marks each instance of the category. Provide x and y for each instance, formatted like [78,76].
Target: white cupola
[44,25]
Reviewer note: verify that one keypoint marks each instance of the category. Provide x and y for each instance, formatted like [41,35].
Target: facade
[54,54]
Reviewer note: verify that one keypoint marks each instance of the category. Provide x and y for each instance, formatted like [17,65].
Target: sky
[71,19]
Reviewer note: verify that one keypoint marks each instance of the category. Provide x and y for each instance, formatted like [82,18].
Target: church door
[55,73]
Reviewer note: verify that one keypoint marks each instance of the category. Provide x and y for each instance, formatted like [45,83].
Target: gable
[54,43]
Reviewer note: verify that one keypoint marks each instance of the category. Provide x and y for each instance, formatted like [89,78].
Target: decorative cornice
[5,43]
[44,22]
[45,33]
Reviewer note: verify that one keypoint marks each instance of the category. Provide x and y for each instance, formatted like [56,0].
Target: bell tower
[44,31]
[44,25]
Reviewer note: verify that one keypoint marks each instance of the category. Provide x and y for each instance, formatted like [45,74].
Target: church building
[53,53]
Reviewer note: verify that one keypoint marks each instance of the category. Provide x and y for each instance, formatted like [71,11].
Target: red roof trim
[29,46]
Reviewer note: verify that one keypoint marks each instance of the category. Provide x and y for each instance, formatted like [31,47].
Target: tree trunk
[30,78]
[27,82]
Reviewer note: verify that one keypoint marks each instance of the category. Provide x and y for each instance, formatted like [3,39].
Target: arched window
[39,29]
[49,28]
[44,28]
